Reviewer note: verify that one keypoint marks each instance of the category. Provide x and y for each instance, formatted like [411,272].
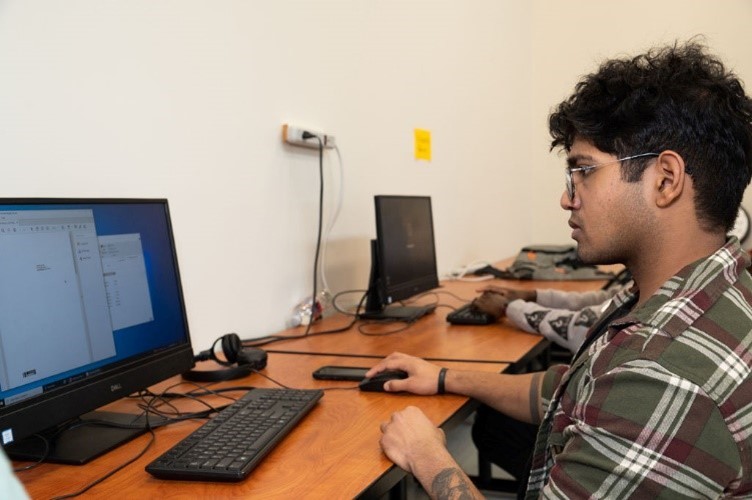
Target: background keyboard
[230,445]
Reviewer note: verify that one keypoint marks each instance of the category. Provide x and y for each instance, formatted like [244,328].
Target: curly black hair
[679,98]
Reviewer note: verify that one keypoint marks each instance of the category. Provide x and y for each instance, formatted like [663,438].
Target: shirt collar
[690,293]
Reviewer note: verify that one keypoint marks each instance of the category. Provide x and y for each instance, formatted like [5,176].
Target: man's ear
[670,178]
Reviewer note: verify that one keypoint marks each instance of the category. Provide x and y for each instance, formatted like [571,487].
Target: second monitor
[403,257]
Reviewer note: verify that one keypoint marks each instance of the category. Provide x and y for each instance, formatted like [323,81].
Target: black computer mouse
[376,383]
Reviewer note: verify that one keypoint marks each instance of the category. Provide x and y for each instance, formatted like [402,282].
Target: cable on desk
[409,301]
[151,403]
[404,326]
[200,390]
[176,415]
[342,311]
[382,356]
[41,460]
[267,377]
[287,387]
[113,471]
[258,342]
[453,295]
[268,339]
[149,406]
[117,469]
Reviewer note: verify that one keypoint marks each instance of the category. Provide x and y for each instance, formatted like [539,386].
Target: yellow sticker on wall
[422,144]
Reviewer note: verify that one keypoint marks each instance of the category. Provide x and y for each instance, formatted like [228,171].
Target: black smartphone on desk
[354,373]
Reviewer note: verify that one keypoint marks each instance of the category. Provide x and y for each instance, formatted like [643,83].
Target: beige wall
[185,99]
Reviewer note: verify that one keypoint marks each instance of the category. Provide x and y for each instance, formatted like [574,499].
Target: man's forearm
[509,394]
[453,483]
[442,478]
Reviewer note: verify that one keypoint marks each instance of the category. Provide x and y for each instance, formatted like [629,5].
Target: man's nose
[565,202]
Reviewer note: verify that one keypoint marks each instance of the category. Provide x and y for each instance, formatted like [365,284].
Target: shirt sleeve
[551,378]
[564,327]
[558,299]
[626,434]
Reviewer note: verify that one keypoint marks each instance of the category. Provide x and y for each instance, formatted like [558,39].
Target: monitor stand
[398,313]
[84,439]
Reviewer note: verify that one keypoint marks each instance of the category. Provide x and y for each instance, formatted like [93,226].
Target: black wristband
[442,376]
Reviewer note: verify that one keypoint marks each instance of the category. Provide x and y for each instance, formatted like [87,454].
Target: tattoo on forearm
[450,484]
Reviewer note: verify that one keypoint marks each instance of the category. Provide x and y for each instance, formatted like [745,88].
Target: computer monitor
[403,257]
[91,310]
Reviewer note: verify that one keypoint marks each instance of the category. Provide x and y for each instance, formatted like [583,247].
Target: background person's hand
[511,293]
[491,303]
[493,300]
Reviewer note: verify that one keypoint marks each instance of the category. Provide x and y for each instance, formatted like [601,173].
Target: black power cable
[308,135]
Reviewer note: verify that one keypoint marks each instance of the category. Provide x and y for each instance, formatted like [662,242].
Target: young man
[658,400]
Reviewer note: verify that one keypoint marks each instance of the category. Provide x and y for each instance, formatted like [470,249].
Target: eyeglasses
[585,169]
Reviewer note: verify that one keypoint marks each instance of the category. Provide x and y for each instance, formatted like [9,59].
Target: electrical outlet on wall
[293,135]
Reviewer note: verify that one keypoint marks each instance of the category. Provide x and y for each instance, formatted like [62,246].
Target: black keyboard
[230,445]
[469,315]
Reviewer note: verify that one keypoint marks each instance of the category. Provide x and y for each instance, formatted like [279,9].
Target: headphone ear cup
[247,359]
[252,358]
[231,347]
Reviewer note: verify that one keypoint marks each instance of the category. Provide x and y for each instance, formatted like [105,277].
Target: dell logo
[116,388]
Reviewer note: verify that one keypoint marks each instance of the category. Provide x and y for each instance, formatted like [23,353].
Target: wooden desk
[431,337]
[333,453]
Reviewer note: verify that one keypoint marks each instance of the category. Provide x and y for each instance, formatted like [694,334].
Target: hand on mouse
[422,376]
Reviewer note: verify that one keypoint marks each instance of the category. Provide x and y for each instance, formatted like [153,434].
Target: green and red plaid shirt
[660,405]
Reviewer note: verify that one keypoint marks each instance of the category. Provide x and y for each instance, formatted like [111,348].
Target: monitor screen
[403,256]
[91,310]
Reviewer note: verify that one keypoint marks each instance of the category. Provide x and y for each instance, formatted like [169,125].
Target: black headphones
[232,352]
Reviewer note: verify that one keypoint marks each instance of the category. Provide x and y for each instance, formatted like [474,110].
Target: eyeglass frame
[568,171]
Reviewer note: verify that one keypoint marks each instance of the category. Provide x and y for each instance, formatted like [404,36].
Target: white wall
[185,99]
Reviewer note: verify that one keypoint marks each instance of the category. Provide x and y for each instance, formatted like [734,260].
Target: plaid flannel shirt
[660,405]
